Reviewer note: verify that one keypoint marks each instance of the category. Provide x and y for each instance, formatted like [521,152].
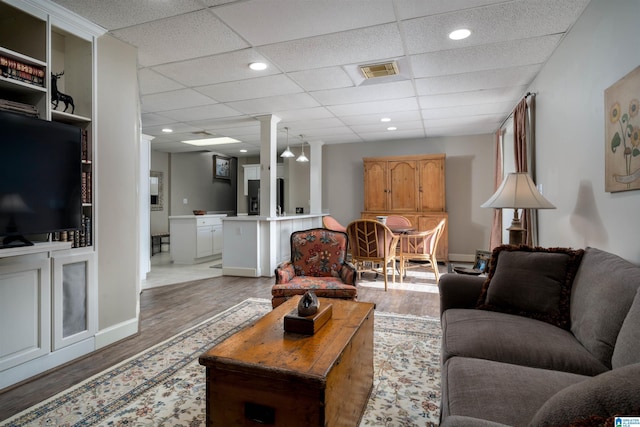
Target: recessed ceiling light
[167,130]
[385,119]
[392,128]
[212,141]
[243,151]
[258,66]
[460,34]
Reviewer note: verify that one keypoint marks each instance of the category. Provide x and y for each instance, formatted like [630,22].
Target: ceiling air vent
[379,70]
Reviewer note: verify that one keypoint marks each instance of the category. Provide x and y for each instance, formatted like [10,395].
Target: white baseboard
[116,333]
[240,271]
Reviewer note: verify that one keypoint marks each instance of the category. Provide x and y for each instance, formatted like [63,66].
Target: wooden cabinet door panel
[375,186]
[431,185]
[403,186]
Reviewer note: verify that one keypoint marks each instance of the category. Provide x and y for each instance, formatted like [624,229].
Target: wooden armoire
[411,186]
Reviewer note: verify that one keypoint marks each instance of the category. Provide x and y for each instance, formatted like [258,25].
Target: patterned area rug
[165,385]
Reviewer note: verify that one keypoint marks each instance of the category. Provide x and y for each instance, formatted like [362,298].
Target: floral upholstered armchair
[318,263]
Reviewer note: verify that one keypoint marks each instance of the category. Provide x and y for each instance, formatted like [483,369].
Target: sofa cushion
[603,291]
[514,339]
[627,349]
[532,282]
[498,392]
[615,392]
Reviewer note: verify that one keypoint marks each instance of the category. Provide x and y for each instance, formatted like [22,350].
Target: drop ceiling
[194,54]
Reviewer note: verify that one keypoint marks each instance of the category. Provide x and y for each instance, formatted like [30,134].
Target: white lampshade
[287,152]
[518,191]
[302,157]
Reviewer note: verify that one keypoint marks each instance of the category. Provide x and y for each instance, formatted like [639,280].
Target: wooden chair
[318,263]
[372,243]
[421,246]
[398,221]
[330,223]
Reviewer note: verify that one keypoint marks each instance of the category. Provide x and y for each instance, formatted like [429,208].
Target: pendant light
[302,157]
[287,152]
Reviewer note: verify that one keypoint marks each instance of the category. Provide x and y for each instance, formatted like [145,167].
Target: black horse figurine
[57,96]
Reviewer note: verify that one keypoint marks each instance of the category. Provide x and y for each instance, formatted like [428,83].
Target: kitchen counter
[254,245]
[195,238]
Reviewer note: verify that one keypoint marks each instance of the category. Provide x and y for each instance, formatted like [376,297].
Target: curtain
[520,120]
[495,239]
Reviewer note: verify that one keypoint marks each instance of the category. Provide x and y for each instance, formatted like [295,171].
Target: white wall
[601,48]
[117,165]
[469,177]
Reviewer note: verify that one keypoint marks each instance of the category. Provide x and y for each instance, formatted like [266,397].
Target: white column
[315,177]
[268,145]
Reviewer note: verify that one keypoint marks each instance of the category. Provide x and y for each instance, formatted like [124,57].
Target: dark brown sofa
[550,338]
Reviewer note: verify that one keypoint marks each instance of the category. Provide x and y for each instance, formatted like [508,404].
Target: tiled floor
[164,272]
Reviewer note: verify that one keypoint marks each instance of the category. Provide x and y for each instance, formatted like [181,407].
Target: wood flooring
[168,310]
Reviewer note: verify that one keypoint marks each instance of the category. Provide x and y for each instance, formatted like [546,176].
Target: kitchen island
[254,245]
[195,238]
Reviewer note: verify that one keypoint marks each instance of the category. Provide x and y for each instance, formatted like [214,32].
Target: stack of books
[18,70]
[18,107]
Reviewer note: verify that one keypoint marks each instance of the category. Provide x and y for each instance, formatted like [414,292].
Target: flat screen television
[40,178]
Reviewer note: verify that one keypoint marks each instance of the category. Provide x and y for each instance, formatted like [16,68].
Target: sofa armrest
[284,272]
[459,291]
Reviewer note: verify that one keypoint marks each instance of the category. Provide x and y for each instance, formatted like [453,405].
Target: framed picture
[482,260]
[221,167]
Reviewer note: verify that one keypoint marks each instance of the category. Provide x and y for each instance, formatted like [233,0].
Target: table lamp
[517,191]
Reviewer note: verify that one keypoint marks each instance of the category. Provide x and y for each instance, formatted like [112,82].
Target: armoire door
[403,186]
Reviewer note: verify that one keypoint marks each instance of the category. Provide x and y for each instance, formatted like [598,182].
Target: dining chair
[372,243]
[421,246]
[398,221]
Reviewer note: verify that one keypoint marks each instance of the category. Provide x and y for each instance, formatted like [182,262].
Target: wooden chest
[265,376]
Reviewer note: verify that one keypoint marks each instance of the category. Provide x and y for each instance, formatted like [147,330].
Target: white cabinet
[253,172]
[195,238]
[25,310]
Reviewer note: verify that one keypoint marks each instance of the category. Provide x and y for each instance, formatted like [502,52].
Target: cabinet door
[74,313]
[25,311]
[204,241]
[375,186]
[217,239]
[403,186]
[431,185]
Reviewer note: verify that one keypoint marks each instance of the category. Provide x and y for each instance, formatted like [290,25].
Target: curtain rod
[511,114]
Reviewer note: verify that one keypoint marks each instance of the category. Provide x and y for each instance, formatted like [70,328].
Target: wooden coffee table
[263,375]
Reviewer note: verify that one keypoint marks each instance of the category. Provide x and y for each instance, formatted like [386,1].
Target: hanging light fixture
[302,157]
[287,152]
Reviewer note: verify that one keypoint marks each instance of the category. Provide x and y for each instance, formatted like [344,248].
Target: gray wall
[469,172]
[191,178]
[117,168]
[601,48]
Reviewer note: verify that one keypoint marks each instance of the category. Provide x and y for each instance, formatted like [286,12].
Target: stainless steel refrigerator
[253,196]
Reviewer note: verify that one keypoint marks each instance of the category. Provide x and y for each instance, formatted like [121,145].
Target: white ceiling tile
[260,87]
[489,79]
[201,112]
[214,69]
[363,45]
[115,14]
[322,78]
[266,22]
[152,82]
[365,93]
[382,127]
[504,108]
[274,103]
[486,57]
[177,128]
[299,114]
[382,107]
[518,20]
[153,119]
[393,135]
[407,9]
[182,98]
[330,122]
[180,37]
[240,122]
[367,119]
[507,94]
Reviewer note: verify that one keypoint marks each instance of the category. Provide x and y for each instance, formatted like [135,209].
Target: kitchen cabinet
[253,172]
[195,238]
